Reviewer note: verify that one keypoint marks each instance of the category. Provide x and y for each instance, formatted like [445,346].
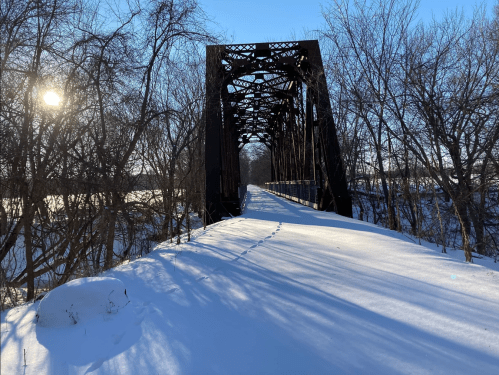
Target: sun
[51,98]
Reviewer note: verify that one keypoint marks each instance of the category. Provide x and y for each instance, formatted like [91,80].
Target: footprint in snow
[118,338]
[201,278]
[139,320]
[244,252]
[140,310]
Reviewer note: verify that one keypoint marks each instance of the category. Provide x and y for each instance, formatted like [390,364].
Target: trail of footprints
[235,259]
[141,312]
[262,241]
[245,251]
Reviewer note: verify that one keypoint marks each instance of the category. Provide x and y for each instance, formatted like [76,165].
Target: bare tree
[172,144]
[67,170]
[260,165]
[369,40]
[451,79]
[426,95]
[30,48]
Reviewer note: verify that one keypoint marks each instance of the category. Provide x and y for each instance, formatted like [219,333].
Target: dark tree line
[259,166]
[416,106]
[115,165]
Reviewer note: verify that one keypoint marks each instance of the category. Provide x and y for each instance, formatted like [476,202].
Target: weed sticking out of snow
[81,300]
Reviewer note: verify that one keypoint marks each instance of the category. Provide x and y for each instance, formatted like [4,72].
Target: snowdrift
[81,300]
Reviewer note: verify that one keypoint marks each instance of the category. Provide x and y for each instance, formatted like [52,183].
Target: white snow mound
[80,300]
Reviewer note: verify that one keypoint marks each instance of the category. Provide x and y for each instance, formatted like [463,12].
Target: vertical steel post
[309,124]
[213,134]
[337,187]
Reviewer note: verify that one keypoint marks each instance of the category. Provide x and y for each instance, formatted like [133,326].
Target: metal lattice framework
[276,94]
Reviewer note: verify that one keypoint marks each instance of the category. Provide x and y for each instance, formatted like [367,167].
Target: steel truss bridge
[276,94]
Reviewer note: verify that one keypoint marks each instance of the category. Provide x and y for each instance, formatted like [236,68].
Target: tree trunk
[30,272]
[111,227]
[464,221]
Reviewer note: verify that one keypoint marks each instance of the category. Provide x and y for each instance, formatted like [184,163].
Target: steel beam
[255,93]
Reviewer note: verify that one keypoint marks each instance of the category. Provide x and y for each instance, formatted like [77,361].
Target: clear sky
[248,21]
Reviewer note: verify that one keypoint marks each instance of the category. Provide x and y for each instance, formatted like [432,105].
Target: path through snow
[281,289]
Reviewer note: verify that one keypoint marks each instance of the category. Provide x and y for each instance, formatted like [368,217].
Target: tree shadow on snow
[92,342]
[221,316]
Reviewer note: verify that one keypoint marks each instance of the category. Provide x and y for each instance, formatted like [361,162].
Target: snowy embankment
[282,289]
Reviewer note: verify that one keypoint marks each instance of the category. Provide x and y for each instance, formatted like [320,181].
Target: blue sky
[248,21]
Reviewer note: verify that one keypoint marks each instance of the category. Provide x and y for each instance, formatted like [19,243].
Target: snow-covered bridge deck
[282,289]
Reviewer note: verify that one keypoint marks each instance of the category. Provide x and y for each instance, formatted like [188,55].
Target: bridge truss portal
[276,94]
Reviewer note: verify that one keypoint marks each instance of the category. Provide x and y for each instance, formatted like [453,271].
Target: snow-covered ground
[282,289]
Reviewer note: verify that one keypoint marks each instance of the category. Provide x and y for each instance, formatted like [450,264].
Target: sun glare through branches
[51,98]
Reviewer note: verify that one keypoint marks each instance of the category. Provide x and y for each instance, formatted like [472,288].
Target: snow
[281,289]
[81,300]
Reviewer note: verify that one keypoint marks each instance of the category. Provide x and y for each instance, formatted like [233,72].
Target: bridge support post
[213,135]
[335,190]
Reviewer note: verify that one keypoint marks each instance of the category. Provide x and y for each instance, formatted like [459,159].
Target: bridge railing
[305,192]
